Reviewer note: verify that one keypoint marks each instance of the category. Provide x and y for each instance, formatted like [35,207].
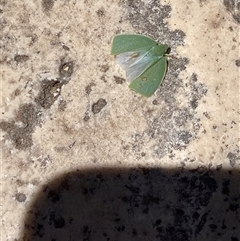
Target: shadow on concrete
[137,204]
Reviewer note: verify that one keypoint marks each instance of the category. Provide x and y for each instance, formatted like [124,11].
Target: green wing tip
[144,94]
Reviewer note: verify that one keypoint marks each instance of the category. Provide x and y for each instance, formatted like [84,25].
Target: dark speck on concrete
[118,79]
[62,105]
[98,106]
[65,47]
[237,62]
[225,187]
[86,117]
[88,88]
[86,231]
[58,221]
[213,227]
[120,228]
[21,58]
[104,68]
[185,137]
[54,196]
[233,158]
[195,216]
[101,12]
[194,103]
[47,5]
[133,189]
[40,231]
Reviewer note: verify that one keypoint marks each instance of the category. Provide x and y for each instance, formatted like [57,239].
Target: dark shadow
[137,204]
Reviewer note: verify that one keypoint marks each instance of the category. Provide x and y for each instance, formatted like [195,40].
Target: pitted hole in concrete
[66,70]
[99,105]
[50,91]
[20,197]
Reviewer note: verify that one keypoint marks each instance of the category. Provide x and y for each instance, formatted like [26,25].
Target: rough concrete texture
[66,108]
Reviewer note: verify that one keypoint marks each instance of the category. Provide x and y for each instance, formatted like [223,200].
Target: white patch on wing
[135,63]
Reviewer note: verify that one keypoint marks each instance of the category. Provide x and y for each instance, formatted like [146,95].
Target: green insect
[143,59]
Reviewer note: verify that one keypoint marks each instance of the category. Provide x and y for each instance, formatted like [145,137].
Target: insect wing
[147,83]
[135,63]
[131,43]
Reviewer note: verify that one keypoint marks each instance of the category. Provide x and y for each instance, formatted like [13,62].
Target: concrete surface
[67,114]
